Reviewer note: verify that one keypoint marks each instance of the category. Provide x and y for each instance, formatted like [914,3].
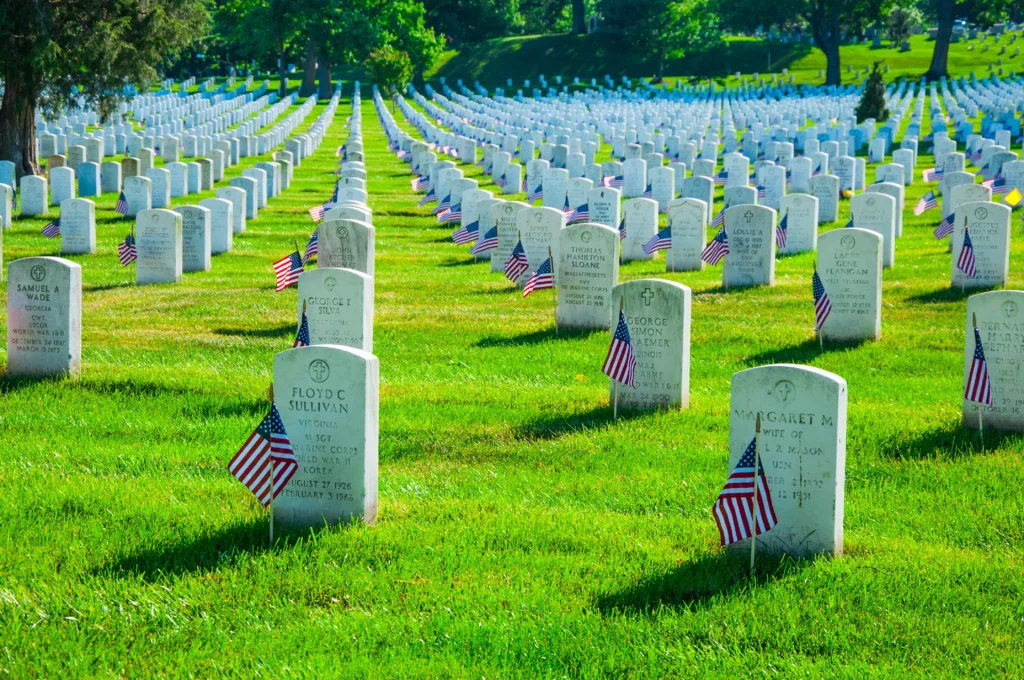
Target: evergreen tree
[872,102]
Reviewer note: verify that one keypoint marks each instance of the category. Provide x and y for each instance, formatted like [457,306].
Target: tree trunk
[827,36]
[661,67]
[282,71]
[579,17]
[324,75]
[18,130]
[309,71]
[940,55]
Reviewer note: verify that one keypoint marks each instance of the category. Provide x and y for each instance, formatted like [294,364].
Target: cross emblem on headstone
[749,215]
[648,297]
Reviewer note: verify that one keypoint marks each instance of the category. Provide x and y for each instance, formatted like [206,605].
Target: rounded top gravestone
[803,453]
[328,399]
[44,317]
[346,243]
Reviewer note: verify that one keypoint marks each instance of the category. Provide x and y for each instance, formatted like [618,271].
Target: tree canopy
[57,53]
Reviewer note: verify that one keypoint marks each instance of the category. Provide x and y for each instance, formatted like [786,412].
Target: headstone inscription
[588,269]
[850,267]
[44,317]
[1000,318]
[158,245]
[328,399]
[339,307]
[658,315]
[803,453]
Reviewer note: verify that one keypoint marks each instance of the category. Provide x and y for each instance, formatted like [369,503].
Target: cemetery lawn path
[522,533]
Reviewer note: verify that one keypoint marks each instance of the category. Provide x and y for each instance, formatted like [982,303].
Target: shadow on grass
[463,263]
[277,332]
[698,584]
[560,426]
[950,441]
[107,286]
[538,337]
[804,353]
[947,295]
[196,554]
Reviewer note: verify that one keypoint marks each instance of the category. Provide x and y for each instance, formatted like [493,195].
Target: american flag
[52,229]
[933,174]
[822,303]
[566,210]
[516,263]
[543,277]
[620,363]
[761,191]
[978,387]
[452,215]
[613,182]
[997,185]
[622,229]
[126,252]
[313,246]
[535,194]
[467,233]
[660,241]
[419,183]
[965,262]
[501,182]
[340,150]
[488,242]
[945,227]
[721,178]
[445,204]
[252,464]
[648,192]
[717,249]
[122,205]
[781,232]
[580,214]
[302,337]
[927,202]
[429,198]
[287,270]
[976,156]
[734,508]
[524,187]
[719,220]
[317,212]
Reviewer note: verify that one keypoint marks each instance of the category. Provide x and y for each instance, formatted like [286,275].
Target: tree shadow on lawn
[464,263]
[696,584]
[951,441]
[537,337]
[804,353]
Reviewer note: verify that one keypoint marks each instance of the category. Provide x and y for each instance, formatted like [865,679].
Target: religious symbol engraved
[1009,309]
[782,390]
[38,272]
[648,297]
[319,371]
[981,213]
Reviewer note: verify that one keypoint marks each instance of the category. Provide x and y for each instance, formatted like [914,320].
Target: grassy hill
[593,56]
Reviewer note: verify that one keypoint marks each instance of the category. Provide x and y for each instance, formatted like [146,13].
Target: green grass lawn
[593,56]
[522,533]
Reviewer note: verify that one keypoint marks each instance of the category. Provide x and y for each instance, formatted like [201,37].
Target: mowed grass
[522,532]
[493,62]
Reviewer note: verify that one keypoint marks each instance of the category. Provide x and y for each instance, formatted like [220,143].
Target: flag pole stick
[817,331]
[554,289]
[981,430]
[757,484]
[271,504]
[615,383]
[963,274]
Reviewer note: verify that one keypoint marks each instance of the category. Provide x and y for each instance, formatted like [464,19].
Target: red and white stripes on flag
[252,464]
[977,387]
[734,508]
[822,302]
[620,364]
